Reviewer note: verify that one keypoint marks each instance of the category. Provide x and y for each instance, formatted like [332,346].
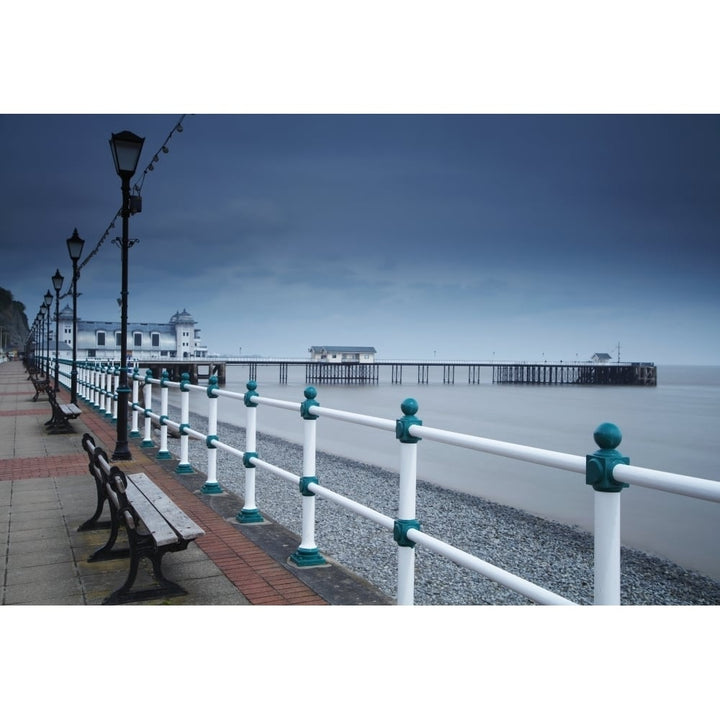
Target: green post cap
[409,406]
[184,382]
[310,395]
[165,377]
[599,465]
[148,376]
[251,386]
[212,386]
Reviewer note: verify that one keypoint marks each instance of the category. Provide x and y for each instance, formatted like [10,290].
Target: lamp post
[48,305]
[57,281]
[41,336]
[75,248]
[126,148]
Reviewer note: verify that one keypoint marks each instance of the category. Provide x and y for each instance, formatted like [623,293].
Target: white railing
[606,470]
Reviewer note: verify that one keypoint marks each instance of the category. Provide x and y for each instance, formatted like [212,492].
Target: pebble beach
[556,556]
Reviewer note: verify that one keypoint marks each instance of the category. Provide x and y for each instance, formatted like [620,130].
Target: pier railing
[605,469]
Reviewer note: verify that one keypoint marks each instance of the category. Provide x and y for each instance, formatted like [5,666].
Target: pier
[575,374]
[420,372]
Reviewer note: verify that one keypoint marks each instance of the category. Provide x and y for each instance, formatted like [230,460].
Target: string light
[156,157]
[137,187]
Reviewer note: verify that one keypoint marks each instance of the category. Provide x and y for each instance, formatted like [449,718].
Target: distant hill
[13,322]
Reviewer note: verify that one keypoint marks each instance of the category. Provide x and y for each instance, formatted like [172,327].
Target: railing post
[134,430]
[184,466]
[93,386]
[406,502]
[599,473]
[249,512]
[147,402]
[113,397]
[102,394]
[307,554]
[163,453]
[211,486]
[85,383]
[95,381]
[109,379]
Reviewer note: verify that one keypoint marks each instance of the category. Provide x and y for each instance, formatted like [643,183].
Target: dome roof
[182,317]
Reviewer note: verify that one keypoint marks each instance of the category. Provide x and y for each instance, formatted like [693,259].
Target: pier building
[177,339]
[342,354]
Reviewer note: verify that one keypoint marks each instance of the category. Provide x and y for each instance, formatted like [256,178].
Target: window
[118,339]
[101,338]
[155,339]
[137,339]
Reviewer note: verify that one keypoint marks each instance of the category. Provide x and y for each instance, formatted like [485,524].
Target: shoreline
[551,554]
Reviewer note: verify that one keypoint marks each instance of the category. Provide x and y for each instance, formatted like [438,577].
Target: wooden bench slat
[183,525]
[163,534]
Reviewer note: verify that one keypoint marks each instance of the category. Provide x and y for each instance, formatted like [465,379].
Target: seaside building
[178,338]
[342,354]
[601,358]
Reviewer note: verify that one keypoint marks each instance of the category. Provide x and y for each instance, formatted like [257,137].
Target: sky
[453,236]
[470,231]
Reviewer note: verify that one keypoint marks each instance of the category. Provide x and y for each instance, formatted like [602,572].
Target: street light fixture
[126,148]
[75,247]
[57,281]
[48,304]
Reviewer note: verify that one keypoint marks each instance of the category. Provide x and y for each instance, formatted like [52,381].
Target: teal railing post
[406,504]
[249,512]
[599,473]
[307,554]
[212,486]
[163,453]
[184,466]
[147,402]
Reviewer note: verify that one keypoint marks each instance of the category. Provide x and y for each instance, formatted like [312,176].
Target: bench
[155,525]
[61,414]
[40,385]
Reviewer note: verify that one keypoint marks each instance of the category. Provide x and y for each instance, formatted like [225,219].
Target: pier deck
[422,372]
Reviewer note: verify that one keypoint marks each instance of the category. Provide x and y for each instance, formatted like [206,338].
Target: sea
[673,427]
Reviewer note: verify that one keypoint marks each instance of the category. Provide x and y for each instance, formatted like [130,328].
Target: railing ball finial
[251,393]
[409,406]
[599,466]
[310,401]
[607,436]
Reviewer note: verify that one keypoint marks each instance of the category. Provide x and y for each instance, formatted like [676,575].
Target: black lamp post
[41,337]
[126,148]
[47,304]
[57,281]
[75,248]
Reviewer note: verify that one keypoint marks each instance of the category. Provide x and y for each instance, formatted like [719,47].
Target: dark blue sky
[449,236]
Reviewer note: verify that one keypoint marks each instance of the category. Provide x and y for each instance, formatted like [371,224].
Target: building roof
[182,317]
[342,348]
[602,356]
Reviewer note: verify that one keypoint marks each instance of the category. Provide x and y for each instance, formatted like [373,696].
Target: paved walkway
[46,492]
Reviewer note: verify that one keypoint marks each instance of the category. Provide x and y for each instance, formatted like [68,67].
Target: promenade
[46,493]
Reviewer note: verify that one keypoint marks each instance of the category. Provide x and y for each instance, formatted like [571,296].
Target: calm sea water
[673,427]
